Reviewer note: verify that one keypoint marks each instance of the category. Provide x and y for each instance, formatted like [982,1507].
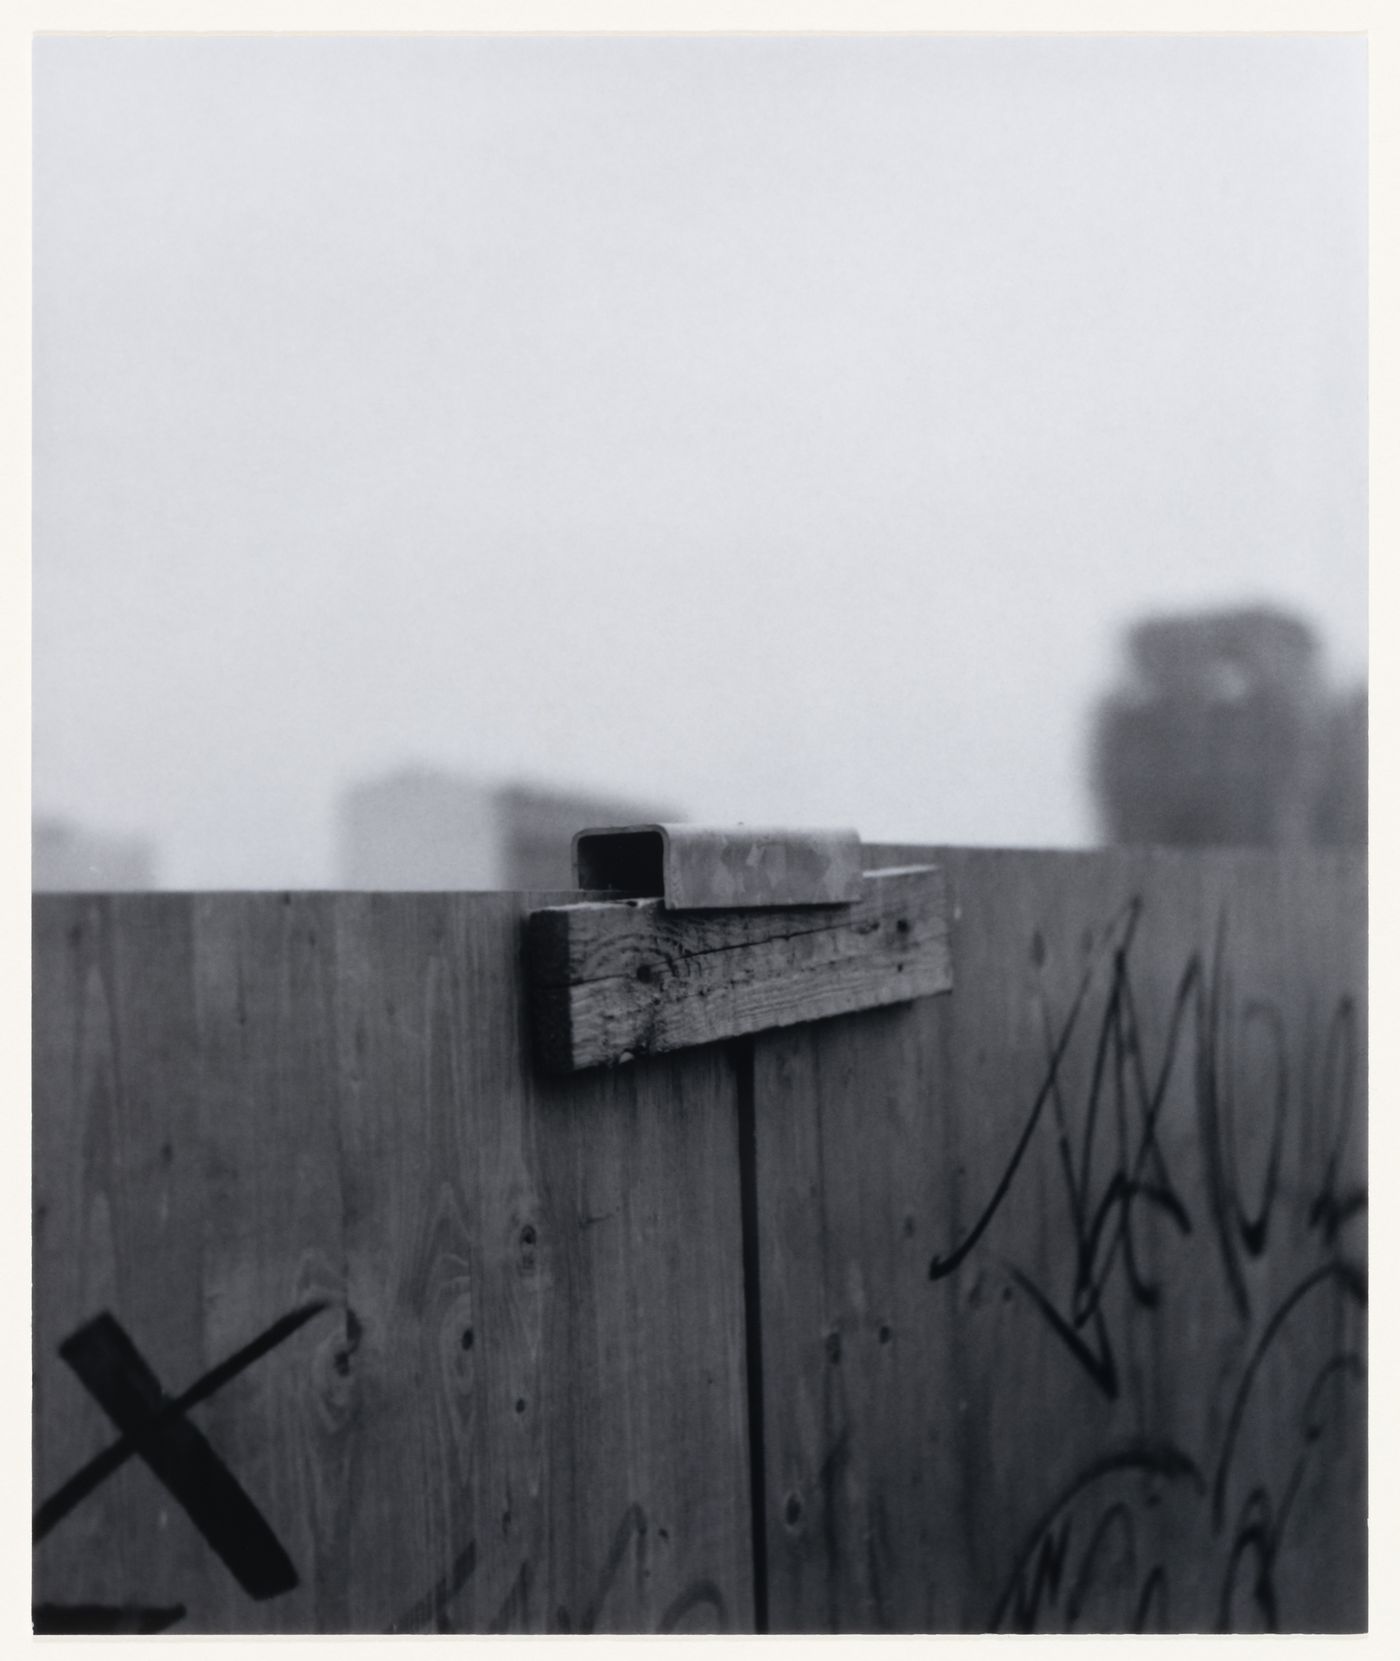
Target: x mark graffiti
[155,1428]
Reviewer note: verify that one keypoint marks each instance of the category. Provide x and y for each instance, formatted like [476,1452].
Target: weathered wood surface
[1055,1286]
[613,981]
[515,1399]
[1062,1277]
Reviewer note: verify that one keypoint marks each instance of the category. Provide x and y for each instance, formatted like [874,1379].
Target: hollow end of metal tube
[627,861]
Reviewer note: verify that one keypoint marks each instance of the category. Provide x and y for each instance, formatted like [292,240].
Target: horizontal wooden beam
[613,980]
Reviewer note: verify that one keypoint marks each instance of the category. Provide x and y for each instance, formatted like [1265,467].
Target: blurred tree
[1225,734]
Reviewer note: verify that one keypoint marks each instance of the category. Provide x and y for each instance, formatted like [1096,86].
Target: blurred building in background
[423,829]
[69,857]
[1226,733]
[1339,817]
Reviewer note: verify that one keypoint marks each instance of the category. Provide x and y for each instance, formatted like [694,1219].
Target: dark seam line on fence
[742,1052]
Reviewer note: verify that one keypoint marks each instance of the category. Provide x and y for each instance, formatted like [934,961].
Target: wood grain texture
[1055,1286]
[516,1401]
[1062,1277]
[615,981]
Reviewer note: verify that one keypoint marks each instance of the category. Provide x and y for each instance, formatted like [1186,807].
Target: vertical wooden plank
[516,1398]
[1062,1275]
[116,1197]
[269,1118]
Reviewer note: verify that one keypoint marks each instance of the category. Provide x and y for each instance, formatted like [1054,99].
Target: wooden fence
[1035,1305]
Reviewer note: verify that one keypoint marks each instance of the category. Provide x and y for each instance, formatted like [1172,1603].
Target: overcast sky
[781,430]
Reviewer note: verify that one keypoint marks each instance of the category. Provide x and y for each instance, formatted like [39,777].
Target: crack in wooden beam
[613,981]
